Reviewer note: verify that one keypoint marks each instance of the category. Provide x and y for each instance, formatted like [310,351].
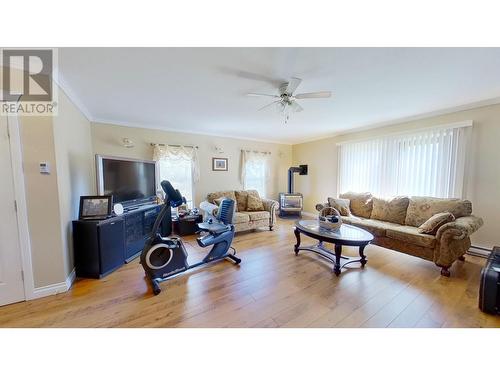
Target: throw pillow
[361,203]
[341,205]
[421,209]
[432,225]
[391,210]
[254,203]
[241,199]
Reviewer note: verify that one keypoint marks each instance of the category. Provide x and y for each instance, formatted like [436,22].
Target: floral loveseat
[251,211]
[397,224]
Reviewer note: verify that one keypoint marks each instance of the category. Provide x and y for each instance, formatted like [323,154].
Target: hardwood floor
[271,288]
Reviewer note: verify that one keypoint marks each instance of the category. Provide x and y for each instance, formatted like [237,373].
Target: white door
[11,281]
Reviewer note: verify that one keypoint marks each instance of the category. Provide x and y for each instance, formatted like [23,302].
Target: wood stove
[292,203]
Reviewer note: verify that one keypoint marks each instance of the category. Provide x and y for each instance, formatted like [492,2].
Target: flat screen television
[131,182]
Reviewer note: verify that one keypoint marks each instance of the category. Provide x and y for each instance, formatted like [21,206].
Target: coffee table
[347,235]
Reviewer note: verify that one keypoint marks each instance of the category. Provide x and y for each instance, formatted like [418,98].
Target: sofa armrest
[461,228]
[272,206]
[208,207]
[320,206]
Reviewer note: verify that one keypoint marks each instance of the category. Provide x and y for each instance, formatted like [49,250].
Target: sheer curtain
[424,163]
[180,166]
[255,171]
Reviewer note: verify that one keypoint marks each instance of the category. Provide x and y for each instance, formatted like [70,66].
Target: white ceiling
[202,90]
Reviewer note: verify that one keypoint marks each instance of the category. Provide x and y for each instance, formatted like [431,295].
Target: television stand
[101,246]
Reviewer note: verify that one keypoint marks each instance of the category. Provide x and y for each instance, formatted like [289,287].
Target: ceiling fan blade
[280,107]
[292,85]
[255,94]
[268,105]
[314,95]
[296,107]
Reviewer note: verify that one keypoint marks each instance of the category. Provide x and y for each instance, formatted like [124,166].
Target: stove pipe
[301,169]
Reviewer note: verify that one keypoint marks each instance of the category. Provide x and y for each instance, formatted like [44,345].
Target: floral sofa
[397,224]
[252,211]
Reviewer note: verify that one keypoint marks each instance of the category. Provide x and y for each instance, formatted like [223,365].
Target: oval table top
[345,234]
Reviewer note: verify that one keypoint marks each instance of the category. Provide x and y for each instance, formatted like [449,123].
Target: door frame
[21,205]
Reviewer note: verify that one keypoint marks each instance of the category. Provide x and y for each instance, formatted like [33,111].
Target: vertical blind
[424,163]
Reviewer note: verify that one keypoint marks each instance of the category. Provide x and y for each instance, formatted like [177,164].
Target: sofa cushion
[258,215]
[241,217]
[254,203]
[392,210]
[361,203]
[411,235]
[422,209]
[376,227]
[241,199]
[211,197]
[341,205]
[432,225]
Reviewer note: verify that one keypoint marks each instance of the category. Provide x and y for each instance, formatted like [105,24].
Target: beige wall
[106,140]
[482,180]
[42,200]
[75,172]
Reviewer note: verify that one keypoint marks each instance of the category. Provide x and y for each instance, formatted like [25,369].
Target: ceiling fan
[286,101]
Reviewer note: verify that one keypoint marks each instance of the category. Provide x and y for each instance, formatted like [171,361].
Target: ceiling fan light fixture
[287,101]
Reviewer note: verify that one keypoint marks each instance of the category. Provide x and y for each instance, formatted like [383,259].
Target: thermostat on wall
[44,167]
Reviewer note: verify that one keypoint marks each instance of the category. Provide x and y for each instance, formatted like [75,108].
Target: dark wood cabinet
[102,246]
[99,246]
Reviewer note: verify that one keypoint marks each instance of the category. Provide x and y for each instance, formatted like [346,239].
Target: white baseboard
[70,279]
[57,288]
[479,251]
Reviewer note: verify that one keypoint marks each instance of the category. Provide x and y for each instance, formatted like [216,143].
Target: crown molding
[65,87]
[100,122]
[402,120]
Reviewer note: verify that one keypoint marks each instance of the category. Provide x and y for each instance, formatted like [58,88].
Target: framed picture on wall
[219,164]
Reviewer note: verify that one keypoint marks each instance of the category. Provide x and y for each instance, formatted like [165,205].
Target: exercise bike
[164,257]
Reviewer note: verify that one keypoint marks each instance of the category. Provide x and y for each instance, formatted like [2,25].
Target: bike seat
[214,227]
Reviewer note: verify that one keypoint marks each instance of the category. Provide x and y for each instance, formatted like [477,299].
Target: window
[178,172]
[255,171]
[179,165]
[425,163]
